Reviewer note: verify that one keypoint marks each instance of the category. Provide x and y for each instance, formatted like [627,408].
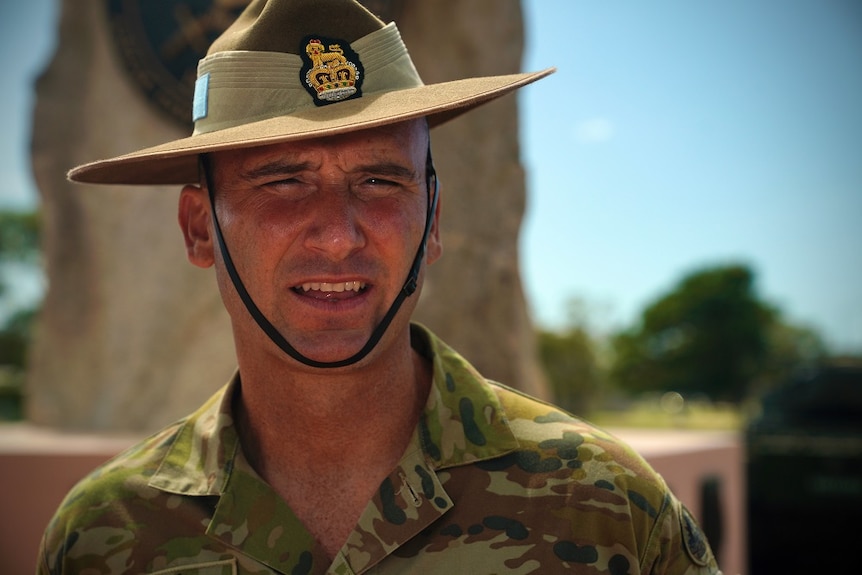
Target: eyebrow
[275,168]
[282,167]
[388,169]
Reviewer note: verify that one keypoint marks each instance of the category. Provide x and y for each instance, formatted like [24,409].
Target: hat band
[241,87]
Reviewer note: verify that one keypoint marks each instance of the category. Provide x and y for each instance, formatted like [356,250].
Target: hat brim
[176,163]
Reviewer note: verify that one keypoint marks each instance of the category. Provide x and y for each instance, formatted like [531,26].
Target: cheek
[399,225]
[257,239]
[259,218]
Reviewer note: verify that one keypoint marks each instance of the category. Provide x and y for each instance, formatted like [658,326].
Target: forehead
[403,142]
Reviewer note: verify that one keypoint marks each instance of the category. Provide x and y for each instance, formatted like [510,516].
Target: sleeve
[678,545]
[43,566]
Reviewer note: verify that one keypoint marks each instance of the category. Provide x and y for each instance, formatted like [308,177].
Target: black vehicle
[804,475]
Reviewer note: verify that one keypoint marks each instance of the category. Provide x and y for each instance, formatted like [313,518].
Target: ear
[196,224]
[434,249]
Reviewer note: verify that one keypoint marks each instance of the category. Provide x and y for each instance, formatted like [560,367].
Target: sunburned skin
[338,221]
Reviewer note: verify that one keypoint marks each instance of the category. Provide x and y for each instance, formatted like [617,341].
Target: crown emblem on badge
[332,72]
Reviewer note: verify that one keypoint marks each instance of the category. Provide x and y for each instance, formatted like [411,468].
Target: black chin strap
[407,290]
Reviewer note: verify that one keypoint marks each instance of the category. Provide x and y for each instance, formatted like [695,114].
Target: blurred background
[679,144]
[692,242]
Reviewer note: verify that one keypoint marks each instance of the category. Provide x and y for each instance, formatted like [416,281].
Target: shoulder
[550,431]
[100,508]
[125,474]
[577,465]
[614,490]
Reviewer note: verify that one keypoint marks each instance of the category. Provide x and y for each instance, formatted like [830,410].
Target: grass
[672,413]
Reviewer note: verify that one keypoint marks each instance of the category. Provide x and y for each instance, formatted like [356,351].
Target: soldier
[349,440]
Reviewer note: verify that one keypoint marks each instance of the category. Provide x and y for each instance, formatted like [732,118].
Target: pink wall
[31,487]
[684,469]
[37,468]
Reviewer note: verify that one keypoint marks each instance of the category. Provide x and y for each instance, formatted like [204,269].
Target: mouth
[334,290]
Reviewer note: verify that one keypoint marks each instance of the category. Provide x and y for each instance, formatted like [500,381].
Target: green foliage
[710,335]
[570,364]
[573,360]
[790,347]
[19,236]
[15,338]
[19,243]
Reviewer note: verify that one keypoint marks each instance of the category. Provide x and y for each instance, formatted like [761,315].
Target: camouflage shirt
[492,482]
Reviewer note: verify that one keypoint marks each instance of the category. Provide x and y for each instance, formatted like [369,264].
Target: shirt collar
[201,456]
[463,422]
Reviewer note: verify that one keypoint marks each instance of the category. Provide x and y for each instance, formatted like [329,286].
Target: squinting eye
[379,182]
[285,182]
[291,188]
[377,188]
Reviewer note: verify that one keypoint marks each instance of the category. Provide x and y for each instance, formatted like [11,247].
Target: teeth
[333,287]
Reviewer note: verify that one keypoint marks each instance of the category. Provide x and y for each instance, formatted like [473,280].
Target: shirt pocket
[225,567]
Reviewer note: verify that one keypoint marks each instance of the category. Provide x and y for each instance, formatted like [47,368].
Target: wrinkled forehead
[402,144]
[407,141]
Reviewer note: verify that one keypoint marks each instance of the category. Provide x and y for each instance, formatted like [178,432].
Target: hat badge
[332,70]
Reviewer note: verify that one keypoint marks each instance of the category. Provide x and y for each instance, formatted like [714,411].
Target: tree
[710,335]
[19,236]
[572,362]
[19,244]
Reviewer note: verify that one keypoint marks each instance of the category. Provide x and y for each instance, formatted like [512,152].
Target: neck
[290,417]
[314,433]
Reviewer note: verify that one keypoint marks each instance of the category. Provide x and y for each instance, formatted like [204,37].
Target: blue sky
[675,135]
[681,134]
[26,41]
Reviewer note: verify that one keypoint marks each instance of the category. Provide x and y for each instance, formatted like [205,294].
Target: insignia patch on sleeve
[693,539]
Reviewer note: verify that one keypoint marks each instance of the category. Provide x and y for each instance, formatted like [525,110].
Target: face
[322,233]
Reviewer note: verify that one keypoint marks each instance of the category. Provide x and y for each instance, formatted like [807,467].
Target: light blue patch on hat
[199,104]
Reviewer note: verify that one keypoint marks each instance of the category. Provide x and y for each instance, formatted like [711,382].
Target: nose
[334,229]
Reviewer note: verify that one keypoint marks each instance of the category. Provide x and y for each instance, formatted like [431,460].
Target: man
[349,441]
